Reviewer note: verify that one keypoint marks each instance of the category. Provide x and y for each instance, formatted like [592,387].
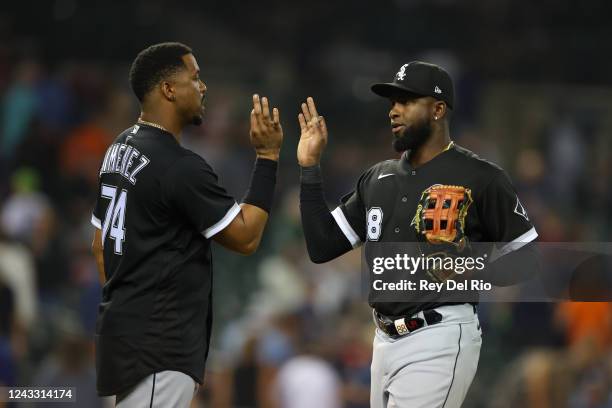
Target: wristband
[263,181]
[311,174]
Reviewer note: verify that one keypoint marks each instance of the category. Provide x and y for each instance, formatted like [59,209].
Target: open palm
[266,131]
[313,136]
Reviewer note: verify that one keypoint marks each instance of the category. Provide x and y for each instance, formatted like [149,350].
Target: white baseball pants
[166,389]
[431,367]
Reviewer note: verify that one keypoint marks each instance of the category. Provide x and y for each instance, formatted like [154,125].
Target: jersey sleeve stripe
[223,222]
[96,222]
[515,244]
[346,228]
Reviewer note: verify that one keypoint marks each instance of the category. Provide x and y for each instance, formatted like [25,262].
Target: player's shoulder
[140,131]
[151,141]
[187,162]
[384,167]
[126,134]
[186,171]
[472,163]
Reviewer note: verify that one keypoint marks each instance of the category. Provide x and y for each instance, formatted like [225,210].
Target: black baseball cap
[421,78]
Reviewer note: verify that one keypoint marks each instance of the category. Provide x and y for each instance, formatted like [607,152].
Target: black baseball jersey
[158,205]
[382,208]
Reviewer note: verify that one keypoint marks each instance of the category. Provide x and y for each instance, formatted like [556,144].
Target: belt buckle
[401,326]
[404,326]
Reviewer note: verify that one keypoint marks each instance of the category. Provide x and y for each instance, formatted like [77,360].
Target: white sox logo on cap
[401,74]
[419,78]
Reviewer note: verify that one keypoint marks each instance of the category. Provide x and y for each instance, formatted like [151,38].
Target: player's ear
[439,110]
[167,90]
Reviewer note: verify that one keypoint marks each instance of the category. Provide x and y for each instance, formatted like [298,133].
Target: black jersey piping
[152,391]
[455,366]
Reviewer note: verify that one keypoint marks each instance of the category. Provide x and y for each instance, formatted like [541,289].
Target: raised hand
[266,131]
[313,137]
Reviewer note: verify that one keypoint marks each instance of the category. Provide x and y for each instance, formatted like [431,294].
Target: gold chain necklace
[144,122]
[451,144]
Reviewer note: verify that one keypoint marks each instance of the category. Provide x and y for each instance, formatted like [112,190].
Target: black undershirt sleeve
[324,238]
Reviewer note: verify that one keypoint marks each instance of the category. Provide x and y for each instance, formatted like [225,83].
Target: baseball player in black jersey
[425,349]
[158,207]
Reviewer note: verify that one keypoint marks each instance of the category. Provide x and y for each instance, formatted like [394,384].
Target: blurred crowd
[288,333]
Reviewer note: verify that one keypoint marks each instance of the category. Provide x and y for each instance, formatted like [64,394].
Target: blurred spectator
[56,101]
[19,107]
[26,208]
[567,153]
[308,381]
[577,376]
[244,390]
[28,217]
[17,276]
[8,374]
[82,151]
[354,344]
[587,322]
[70,364]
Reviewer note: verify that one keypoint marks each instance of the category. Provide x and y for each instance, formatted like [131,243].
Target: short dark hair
[155,63]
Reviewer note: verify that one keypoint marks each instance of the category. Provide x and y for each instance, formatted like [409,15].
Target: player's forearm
[98,253]
[255,220]
[324,239]
[244,233]
[100,265]
[515,267]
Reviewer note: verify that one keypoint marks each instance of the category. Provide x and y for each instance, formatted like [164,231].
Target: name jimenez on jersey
[119,158]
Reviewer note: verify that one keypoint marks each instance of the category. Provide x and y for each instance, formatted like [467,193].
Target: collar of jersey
[157,130]
[405,163]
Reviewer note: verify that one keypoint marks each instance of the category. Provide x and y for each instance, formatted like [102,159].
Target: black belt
[410,324]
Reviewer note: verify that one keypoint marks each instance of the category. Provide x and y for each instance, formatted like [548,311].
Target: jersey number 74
[114,219]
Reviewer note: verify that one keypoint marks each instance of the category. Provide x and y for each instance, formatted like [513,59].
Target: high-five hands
[313,137]
[266,131]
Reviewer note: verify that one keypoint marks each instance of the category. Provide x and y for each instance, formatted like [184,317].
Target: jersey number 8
[375,216]
[114,218]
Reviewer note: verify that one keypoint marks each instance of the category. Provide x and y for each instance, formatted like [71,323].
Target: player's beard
[198,117]
[196,120]
[412,137]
